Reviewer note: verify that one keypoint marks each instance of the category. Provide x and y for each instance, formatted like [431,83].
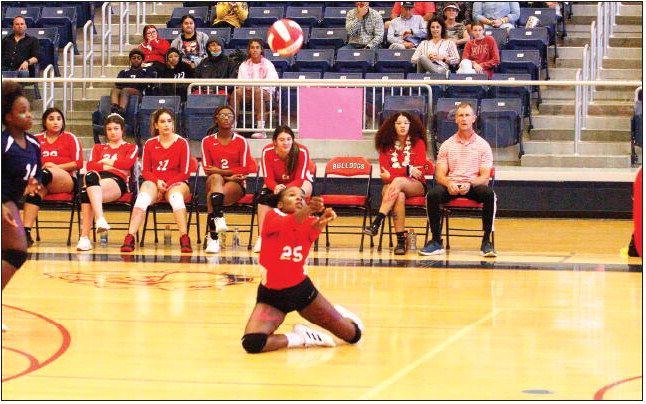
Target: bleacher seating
[308,60]
[500,35]
[334,16]
[394,60]
[148,105]
[548,19]
[30,14]
[198,113]
[103,110]
[531,38]
[305,16]
[63,18]
[355,60]
[437,90]
[199,14]
[500,122]
[416,105]
[444,125]
[222,33]
[522,62]
[302,75]
[326,38]
[342,76]
[241,36]
[263,16]
[168,34]
[466,91]
[522,92]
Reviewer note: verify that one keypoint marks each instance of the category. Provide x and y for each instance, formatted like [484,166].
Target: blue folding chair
[308,16]
[63,18]
[548,19]
[342,76]
[84,10]
[415,105]
[263,16]
[500,122]
[302,75]
[222,33]
[637,127]
[531,38]
[104,109]
[49,43]
[355,60]
[241,36]
[522,92]
[30,14]
[500,35]
[384,11]
[375,96]
[149,103]
[326,38]
[437,90]
[394,60]
[314,60]
[522,62]
[444,125]
[198,113]
[334,16]
[199,14]
[168,34]
[466,91]
[281,63]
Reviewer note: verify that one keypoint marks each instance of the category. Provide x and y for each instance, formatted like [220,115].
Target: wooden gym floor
[557,315]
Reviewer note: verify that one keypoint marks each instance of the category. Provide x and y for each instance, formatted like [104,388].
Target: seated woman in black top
[176,68]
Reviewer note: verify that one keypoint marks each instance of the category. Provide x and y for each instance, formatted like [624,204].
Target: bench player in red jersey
[61,155]
[284,164]
[288,233]
[166,161]
[106,180]
[227,161]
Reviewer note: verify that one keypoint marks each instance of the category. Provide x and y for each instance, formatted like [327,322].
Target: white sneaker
[256,246]
[5,328]
[212,246]
[220,225]
[350,315]
[312,337]
[84,244]
[102,225]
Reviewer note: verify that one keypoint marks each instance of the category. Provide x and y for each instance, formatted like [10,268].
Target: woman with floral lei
[401,142]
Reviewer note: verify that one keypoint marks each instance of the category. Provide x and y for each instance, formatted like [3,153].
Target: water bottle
[104,239]
[235,243]
[167,235]
[412,240]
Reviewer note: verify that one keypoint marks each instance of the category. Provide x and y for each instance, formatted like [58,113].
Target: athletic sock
[211,225]
[294,340]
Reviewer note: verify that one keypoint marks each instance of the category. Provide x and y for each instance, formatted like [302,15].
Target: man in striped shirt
[365,27]
[464,165]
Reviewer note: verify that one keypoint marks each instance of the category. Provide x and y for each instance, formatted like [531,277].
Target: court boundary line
[437,349]
[602,391]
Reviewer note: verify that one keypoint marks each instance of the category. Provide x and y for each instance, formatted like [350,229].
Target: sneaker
[350,315]
[220,225]
[102,225]
[259,135]
[313,337]
[5,328]
[84,244]
[373,229]
[400,248]
[212,246]
[432,248]
[486,249]
[30,241]
[256,246]
[128,243]
[185,244]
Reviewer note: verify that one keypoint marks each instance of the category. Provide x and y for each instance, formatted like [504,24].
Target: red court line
[67,339]
[33,362]
[599,394]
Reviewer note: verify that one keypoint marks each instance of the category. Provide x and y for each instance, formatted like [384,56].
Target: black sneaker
[486,249]
[400,248]
[372,230]
[30,241]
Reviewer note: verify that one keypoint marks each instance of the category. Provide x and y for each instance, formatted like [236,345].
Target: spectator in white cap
[455,31]
[407,30]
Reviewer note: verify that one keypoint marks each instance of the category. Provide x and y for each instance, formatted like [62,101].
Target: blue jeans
[353,46]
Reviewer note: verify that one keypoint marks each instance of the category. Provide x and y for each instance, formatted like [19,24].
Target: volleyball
[285,37]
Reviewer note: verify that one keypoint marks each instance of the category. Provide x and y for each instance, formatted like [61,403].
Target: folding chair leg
[327,237]
[37,230]
[448,239]
[253,216]
[69,230]
[363,226]
[155,222]
[143,231]
[390,232]
[381,236]
[197,220]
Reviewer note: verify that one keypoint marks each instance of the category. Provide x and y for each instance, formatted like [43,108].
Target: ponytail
[292,156]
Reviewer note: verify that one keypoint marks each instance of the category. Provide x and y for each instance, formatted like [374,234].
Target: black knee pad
[14,257]
[83,196]
[92,179]
[217,199]
[357,335]
[254,343]
[265,197]
[34,199]
[46,177]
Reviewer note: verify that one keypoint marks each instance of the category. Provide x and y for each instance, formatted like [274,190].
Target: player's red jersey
[234,156]
[126,155]
[170,165]
[285,247]
[275,170]
[417,158]
[65,149]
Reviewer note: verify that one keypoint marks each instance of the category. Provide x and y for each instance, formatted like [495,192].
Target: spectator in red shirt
[284,164]
[480,54]
[165,169]
[401,142]
[424,8]
[154,49]
[61,156]
[289,231]
[227,161]
[107,177]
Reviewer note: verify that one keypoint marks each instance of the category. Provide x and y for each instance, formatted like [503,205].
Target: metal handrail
[141,15]
[106,36]
[88,55]
[586,76]
[68,72]
[124,14]
[48,87]
[578,113]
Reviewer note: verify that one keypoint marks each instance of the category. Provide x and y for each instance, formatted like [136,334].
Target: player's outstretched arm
[328,215]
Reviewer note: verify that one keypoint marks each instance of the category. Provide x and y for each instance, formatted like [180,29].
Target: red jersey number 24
[292,255]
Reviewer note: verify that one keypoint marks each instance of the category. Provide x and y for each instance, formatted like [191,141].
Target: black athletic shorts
[289,299]
[122,184]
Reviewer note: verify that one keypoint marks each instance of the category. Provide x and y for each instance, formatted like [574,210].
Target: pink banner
[330,113]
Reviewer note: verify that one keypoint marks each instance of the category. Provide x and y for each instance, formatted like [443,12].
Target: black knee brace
[264,197]
[92,178]
[34,199]
[357,335]
[14,257]
[217,200]
[83,196]
[46,177]
[254,343]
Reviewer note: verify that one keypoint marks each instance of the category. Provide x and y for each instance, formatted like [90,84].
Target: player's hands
[416,173]
[238,177]
[316,204]
[7,216]
[162,186]
[385,175]
[453,188]
[464,188]
[328,215]
[279,188]
[33,186]
[477,67]
[24,65]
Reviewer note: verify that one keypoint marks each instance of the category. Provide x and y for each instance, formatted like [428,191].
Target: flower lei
[395,159]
